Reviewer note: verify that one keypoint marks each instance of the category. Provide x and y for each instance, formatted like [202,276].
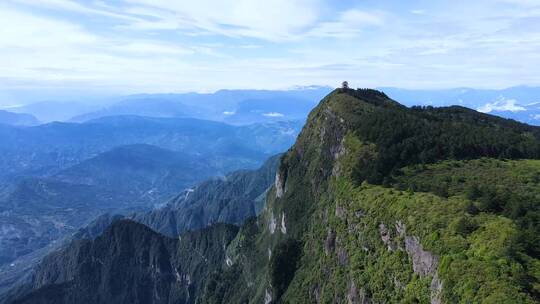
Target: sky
[135,46]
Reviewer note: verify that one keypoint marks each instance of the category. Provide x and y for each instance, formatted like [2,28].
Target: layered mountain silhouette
[46,149]
[17,119]
[58,177]
[229,199]
[231,106]
[130,263]
[39,210]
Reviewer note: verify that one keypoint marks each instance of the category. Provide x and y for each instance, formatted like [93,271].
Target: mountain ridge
[18,119]
[308,209]
[338,225]
[231,199]
[159,265]
[232,106]
[46,149]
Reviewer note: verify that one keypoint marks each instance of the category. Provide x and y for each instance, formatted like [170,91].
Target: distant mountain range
[17,119]
[250,106]
[232,106]
[141,173]
[36,211]
[45,149]
[51,110]
[58,177]
[521,103]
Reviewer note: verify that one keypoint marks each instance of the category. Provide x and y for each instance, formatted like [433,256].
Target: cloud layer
[502,104]
[171,46]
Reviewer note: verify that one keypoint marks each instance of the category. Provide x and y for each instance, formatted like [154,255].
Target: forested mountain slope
[129,263]
[338,228]
[379,203]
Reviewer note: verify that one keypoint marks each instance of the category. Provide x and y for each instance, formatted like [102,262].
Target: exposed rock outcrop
[356,295]
[267,297]
[424,264]
[386,237]
[340,212]
[283,227]
[330,242]
[279,184]
[272,224]
[342,256]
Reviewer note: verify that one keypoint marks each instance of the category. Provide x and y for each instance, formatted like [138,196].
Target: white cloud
[229,113]
[502,104]
[159,45]
[250,46]
[418,11]
[271,20]
[51,51]
[22,30]
[68,5]
[349,23]
[150,48]
[273,114]
[524,3]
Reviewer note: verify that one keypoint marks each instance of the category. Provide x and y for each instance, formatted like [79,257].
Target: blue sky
[130,46]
